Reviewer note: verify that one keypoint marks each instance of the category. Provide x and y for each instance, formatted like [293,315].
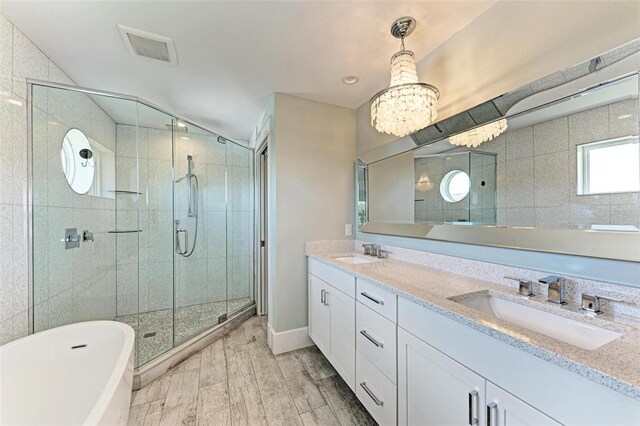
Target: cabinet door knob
[473,407]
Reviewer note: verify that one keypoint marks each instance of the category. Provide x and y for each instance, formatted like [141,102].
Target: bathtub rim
[119,368]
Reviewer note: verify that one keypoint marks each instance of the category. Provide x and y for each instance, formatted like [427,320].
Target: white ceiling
[233,54]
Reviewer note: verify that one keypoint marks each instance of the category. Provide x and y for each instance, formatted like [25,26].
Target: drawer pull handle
[490,418]
[373,396]
[371,339]
[473,406]
[373,299]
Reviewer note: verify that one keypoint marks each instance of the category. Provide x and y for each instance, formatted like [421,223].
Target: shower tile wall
[77,284]
[536,171]
[145,259]
[20,59]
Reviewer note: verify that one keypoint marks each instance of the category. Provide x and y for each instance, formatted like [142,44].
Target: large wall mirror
[553,166]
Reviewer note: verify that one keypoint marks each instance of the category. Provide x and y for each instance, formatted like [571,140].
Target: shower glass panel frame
[132,271]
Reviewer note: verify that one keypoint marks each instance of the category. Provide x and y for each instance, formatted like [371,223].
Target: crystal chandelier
[475,137]
[406,105]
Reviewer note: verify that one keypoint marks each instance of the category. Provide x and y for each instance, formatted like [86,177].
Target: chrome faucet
[556,292]
[369,249]
[592,302]
[525,287]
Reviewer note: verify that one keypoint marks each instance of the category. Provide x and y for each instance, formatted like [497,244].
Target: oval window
[78,163]
[455,186]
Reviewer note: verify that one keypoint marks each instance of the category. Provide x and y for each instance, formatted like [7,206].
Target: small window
[455,186]
[609,166]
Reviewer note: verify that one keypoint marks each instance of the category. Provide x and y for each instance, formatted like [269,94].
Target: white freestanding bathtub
[79,374]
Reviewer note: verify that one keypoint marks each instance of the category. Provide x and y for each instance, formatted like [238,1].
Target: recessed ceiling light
[350,79]
[622,117]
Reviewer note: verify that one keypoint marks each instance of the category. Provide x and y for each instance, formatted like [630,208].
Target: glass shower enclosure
[138,216]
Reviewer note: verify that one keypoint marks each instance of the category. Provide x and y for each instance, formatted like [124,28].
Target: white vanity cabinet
[332,317]
[504,409]
[433,389]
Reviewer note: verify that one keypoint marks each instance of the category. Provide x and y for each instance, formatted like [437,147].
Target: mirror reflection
[569,162]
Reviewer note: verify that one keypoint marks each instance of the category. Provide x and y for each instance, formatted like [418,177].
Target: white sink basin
[354,260]
[567,330]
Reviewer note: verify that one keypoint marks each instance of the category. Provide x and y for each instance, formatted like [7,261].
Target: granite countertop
[615,365]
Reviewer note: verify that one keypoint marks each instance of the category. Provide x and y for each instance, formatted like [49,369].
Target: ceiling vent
[148,45]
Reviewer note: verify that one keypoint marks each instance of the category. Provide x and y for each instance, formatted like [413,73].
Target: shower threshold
[154,330]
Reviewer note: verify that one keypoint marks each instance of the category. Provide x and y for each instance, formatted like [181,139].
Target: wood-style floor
[238,381]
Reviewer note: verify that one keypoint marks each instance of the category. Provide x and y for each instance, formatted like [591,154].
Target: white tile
[160,145]
[7,291]
[217,279]
[519,143]
[585,216]
[127,141]
[127,288]
[623,118]
[40,255]
[216,151]
[160,235]
[6,147]
[160,285]
[20,258]
[589,126]
[551,136]
[552,217]
[19,170]
[39,157]
[56,75]
[624,214]
[552,179]
[520,217]
[6,54]
[519,180]
[60,260]
[28,62]
[216,189]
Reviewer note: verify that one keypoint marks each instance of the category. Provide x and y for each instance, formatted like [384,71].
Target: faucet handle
[525,287]
[592,302]
[552,279]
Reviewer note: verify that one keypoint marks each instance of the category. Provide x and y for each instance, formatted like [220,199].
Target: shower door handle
[186,241]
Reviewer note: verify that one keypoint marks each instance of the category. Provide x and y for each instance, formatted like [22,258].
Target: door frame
[261,173]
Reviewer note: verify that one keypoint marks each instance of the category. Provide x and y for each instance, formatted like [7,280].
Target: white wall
[312,169]
[510,45]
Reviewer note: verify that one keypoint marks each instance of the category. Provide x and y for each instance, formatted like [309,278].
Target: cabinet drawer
[340,280]
[375,391]
[376,339]
[378,299]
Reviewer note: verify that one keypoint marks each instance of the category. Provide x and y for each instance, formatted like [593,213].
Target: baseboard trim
[287,341]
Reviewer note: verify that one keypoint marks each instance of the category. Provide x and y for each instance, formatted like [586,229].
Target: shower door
[200,231]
